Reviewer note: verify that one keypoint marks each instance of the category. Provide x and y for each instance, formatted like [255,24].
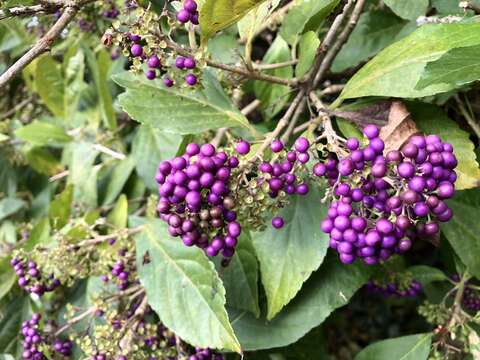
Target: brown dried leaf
[400,127]
[377,114]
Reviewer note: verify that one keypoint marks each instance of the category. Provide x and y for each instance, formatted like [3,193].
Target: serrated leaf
[328,289]
[240,277]
[150,146]
[396,70]
[462,233]
[413,347]
[82,172]
[375,31]
[216,15]
[42,134]
[179,110]
[408,9]
[456,67]
[9,206]
[305,15]
[307,50]
[10,324]
[184,289]
[289,255]
[432,120]
[273,97]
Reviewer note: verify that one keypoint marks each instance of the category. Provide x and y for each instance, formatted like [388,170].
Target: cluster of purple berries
[195,199]
[30,277]
[188,13]
[33,339]
[393,290]
[205,354]
[280,172]
[471,297]
[382,203]
[121,273]
[184,63]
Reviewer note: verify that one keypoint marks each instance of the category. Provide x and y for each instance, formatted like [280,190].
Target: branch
[293,122]
[470,120]
[468,5]
[340,41]
[328,40]
[284,121]
[42,44]
[27,10]
[255,75]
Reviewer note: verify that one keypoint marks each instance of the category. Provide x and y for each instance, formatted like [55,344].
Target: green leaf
[83,175]
[328,289]
[9,206]
[149,147]
[43,161]
[273,97]
[396,70]
[216,15]
[408,9]
[184,289]
[432,120]
[462,233]
[42,133]
[7,277]
[40,234]
[100,67]
[375,31]
[456,67]
[289,255]
[427,274]
[307,49]
[6,357]
[413,347]
[119,177]
[61,207]
[305,15]
[255,18]
[240,277]
[176,109]
[119,215]
[49,84]
[10,324]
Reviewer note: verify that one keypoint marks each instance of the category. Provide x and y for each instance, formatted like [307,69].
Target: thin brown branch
[16,108]
[254,75]
[27,10]
[293,122]
[468,5]
[282,123]
[275,66]
[43,44]
[328,41]
[340,41]
[474,125]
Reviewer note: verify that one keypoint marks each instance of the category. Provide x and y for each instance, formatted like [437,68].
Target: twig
[27,10]
[42,44]
[332,89]
[293,122]
[275,66]
[245,111]
[16,108]
[281,124]
[110,152]
[470,120]
[468,5]
[327,41]
[75,320]
[102,238]
[255,75]
[340,41]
